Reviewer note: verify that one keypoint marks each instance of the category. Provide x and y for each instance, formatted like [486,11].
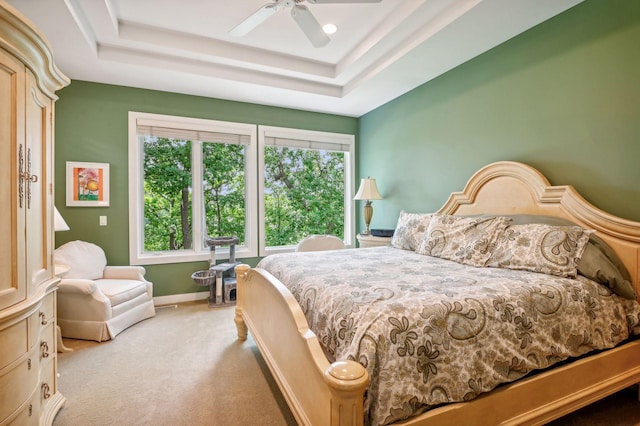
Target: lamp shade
[368,190]
[58,222]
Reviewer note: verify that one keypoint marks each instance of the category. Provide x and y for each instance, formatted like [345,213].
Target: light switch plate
[103,221]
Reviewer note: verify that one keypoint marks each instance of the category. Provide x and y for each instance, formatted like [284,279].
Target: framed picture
[87,184]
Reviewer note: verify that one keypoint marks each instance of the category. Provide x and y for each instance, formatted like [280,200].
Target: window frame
[137,256]
[265,132]
[254,245]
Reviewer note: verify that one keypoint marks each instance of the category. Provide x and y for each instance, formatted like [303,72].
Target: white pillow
[86,260]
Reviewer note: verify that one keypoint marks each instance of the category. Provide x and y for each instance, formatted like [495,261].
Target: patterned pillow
[410,230]
[467,240]
[553,250]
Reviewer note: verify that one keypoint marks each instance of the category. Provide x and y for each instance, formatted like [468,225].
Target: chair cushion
[86,260]
[120,291]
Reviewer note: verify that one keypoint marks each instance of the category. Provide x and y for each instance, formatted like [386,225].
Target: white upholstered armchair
[96,301]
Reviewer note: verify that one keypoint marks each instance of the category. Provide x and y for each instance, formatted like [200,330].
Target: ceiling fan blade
[309,26]
[342,1]
[255,19]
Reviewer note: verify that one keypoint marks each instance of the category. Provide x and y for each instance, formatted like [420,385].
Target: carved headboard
[508,187]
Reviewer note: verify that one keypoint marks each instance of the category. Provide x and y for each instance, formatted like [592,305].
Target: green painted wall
[563,97]
[91,125]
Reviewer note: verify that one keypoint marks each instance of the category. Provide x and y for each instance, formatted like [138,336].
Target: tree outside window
[303,194]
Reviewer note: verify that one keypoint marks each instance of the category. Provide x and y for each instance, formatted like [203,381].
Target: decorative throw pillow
[467,240]
[598,262]
[410,230]
[553,250]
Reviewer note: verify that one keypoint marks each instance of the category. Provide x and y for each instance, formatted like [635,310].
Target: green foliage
[167,197]
[223,188]
[304,193]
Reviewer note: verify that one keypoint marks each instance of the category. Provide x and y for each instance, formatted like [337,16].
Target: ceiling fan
[300,13]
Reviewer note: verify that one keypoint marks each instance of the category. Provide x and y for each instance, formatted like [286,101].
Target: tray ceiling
[380,51]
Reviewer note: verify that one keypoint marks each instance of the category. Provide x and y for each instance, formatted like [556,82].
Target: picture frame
[87,184]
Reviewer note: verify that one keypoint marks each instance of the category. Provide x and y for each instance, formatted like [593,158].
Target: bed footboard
[318,392]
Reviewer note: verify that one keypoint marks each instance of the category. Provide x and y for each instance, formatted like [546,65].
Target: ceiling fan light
[329,28]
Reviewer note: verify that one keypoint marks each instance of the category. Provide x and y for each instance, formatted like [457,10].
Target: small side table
[365,241]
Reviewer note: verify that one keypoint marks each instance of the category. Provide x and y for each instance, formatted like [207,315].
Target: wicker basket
[204,278]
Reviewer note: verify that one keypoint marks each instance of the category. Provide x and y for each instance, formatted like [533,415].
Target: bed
[326,384]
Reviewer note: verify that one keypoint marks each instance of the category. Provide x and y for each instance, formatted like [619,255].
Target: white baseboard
[180,298]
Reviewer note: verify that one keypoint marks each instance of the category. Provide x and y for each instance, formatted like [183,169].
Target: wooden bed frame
[323,393]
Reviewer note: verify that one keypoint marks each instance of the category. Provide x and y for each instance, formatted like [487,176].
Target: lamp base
[368,214]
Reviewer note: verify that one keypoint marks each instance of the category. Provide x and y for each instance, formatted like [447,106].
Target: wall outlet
[103,221]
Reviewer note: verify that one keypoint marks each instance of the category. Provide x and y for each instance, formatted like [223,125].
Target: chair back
[320,243]
[86,260]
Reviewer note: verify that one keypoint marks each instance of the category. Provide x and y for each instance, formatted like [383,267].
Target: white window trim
[327,137]
[136,254]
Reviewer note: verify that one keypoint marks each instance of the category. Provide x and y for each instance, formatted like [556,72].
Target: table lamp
[58,222]
[368,191]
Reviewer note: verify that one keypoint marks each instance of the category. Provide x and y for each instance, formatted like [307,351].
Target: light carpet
[186,367]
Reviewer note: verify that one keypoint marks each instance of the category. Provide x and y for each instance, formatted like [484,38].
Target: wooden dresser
[28,81]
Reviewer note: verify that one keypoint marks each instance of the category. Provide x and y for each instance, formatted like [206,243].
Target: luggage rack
[220,278]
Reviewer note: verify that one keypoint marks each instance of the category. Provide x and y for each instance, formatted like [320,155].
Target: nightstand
[365,241]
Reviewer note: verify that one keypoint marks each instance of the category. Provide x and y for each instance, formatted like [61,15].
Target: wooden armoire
[28,360]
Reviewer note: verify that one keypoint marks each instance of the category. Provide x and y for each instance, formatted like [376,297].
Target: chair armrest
[82,300]
[77,285]
[124,273]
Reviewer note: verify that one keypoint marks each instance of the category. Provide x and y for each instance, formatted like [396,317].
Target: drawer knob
[30,410]
[43,318]
[44,346]
[29,364]
[46,391]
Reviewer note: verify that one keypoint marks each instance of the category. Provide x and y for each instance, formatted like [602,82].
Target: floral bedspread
[431,331]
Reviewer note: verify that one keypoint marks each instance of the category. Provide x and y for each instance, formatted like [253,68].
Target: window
[189,178]
[193,178]
[306,181]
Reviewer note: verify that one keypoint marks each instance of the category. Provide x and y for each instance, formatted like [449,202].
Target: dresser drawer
[47,342]
[17,384]
[48,307]
[48,384]
[28,414]
[13,341]
[40,319]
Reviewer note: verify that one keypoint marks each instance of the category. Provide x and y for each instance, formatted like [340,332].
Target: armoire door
[38,182]
[13,288]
